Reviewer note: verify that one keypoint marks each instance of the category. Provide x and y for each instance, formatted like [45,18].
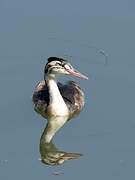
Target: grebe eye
[58,64]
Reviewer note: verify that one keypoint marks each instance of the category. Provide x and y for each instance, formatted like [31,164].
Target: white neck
[58,110]
[54,93]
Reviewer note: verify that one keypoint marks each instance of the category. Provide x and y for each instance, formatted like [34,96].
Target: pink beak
[77,74]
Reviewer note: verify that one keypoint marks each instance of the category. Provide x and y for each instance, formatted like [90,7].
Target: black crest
[50,59]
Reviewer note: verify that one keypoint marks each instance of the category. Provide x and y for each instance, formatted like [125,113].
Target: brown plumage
[71,93]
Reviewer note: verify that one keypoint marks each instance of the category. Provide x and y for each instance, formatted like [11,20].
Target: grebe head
[58,66]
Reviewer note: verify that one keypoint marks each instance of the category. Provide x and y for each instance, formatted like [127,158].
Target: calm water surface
[105,130]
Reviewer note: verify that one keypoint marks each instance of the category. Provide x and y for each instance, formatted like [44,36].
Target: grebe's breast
[71,93]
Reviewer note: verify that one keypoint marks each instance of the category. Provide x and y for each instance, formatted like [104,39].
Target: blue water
[81,31]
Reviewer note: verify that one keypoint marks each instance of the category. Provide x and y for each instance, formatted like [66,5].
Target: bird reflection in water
[58,103]
[51,155]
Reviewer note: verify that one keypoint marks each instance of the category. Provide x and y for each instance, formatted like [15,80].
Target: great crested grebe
[57,102]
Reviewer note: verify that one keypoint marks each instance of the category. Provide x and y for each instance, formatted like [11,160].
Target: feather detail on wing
[41,98]
[73,97]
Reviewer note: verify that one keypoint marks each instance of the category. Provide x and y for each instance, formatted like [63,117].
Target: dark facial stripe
[48,68]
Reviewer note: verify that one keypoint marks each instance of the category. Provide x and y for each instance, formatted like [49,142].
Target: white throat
[56,103]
